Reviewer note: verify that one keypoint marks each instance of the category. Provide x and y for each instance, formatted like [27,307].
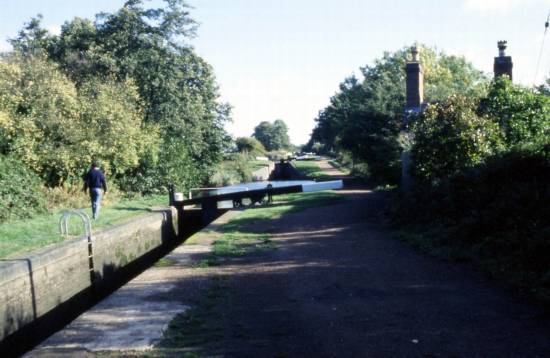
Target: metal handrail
[64,222]
[87,224]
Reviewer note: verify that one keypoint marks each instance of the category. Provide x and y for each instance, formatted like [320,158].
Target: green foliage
[57,129]
[372,138]
[310,169]
[20,194]
[449,137]
[41,122]
[124,89]
[24,235]
[494,214]
[522,114]
[458,133]
[235,170]
[112,129]
[365,117]
[32,39]
[251,146]
[273,136]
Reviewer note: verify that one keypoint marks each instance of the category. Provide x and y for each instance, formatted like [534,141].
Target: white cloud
[496,5]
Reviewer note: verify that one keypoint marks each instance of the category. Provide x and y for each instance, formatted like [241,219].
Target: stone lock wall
[33,285]
[264,173]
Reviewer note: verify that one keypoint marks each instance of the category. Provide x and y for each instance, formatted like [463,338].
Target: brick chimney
[503,64]
[415,83]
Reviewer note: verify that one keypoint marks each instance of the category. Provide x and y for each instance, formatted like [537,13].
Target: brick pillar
[503,64]
[415,102]
[415,83]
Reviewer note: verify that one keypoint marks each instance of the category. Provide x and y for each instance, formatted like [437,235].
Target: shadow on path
[337,284]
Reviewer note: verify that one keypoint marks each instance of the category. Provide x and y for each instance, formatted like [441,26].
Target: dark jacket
[95,179]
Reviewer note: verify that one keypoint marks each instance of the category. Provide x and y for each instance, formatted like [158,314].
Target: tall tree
[365,117]
[176,87]
[273,136]
[522,114]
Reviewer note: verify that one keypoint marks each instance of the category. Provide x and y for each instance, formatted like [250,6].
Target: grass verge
[343,168]
[438,242]
[310,169]
[258,164]
[191,331]
[239,237]
[196,326]
[20,236]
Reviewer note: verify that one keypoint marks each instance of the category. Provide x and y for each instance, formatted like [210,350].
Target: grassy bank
[258,164]
[494,215]
[344,168]
[239,235]
[20,236]
[236,168]
[311,169]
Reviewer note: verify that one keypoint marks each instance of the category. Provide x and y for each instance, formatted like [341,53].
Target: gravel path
[329,169]
[338,285]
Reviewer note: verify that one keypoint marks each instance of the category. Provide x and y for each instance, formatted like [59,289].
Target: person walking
[95,181]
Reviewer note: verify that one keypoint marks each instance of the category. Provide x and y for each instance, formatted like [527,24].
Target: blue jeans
[95,194]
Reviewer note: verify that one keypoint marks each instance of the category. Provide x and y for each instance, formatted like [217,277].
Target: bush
[72,196]
[20,190]
[233,171]
[495,213]
[522,114]
[450,137]
[250,145]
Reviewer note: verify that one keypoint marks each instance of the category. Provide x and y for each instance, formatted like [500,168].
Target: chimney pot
[503,64]
[414,51]
[502,48]
[414,82]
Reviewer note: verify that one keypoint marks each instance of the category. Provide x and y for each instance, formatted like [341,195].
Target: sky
[284,59]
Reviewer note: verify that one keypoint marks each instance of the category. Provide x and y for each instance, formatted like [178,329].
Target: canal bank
[134,317]
[44,290]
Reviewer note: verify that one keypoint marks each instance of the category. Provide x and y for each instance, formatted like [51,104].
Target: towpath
[338,285]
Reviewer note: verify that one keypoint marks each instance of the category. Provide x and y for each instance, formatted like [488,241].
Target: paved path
[339,286]
[330,170]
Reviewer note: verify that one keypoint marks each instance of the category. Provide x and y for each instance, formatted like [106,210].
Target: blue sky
[285,58]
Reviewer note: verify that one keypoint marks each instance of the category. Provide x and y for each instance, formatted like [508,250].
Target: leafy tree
[450,136]
[77,52]
[365,117]
[280,135]
[458,133]
[522,114]
[112,130]
[56,129]
[176,88]
[250,145]
[263,133]
[20,192]
[32,39]
[273,136]
[41,123]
